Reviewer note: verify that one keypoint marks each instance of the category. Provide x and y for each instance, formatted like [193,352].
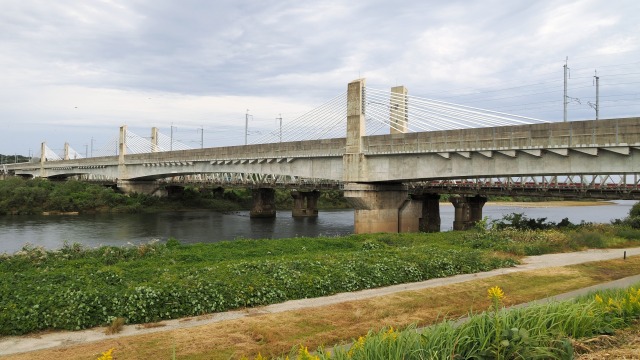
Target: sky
[76,70]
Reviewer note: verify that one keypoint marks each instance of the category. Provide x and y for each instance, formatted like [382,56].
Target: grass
[278,333]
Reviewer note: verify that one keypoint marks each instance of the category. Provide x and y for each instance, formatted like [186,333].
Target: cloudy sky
[75,70]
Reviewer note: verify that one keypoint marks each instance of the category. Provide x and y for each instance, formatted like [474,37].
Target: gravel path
[19,344]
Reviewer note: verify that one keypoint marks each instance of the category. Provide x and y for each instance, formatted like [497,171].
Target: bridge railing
[550,135]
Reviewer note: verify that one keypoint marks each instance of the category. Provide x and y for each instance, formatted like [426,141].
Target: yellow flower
[598,299]
[356,346]
[495,293]
[107,355]
[303,354]
[391,334]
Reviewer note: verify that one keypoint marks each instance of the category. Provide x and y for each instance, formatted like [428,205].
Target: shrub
[635,210]
[588,239]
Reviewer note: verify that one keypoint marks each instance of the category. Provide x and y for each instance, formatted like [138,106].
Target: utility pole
[201,137]
[565,100]
[597,96]
[280,118]
[91,146]
[596,106]
[246,126]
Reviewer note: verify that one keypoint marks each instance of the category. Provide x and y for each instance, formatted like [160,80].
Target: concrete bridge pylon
[43,158]
[399,110]
[122,151]
[379,207]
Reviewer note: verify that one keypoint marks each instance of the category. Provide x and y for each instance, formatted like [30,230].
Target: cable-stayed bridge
[430,147]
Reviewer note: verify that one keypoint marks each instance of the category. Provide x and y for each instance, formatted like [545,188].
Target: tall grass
[542,331]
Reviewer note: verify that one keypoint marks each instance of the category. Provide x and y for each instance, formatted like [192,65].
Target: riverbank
[40,196]
[277,328]
[76,287]
[549,204]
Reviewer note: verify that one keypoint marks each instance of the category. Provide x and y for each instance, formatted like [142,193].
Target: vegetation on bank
[75,288]
[14,158]
[542,331]
[30,197]
[36,196]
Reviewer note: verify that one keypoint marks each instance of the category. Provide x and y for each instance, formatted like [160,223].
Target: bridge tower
[398,110]
[43,158]
[154,139]
[379,207]
[122,151]
[126,185]
[66,151]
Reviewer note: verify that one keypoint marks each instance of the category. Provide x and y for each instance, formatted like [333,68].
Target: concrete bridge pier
[476,203]
[430,216]
[305,203]
[461,213]
[264,204]
[382,208]
[468,211]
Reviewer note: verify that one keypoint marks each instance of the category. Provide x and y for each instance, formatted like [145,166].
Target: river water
[95,230]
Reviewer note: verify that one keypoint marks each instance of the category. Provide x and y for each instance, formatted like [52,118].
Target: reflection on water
[204,226]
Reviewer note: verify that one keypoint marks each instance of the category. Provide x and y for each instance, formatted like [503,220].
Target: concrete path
[18,344]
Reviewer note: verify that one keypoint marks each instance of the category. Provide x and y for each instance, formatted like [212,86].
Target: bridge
[393,181]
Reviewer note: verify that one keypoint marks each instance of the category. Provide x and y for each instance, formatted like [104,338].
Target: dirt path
[20,344]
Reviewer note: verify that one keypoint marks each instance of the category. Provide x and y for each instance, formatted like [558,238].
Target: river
[205,226]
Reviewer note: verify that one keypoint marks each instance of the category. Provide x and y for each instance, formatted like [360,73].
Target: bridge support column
[430,217]
[461,213]
[409,215]
[468,210]
[476,203]
[377,206]
[305,204]
[263,203]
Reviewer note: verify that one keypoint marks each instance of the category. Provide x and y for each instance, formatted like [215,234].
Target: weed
[116,326]
[583,238]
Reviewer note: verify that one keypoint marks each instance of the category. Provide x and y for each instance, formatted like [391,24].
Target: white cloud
[195,62]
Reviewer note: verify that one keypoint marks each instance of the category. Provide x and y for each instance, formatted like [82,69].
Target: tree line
[35,196]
